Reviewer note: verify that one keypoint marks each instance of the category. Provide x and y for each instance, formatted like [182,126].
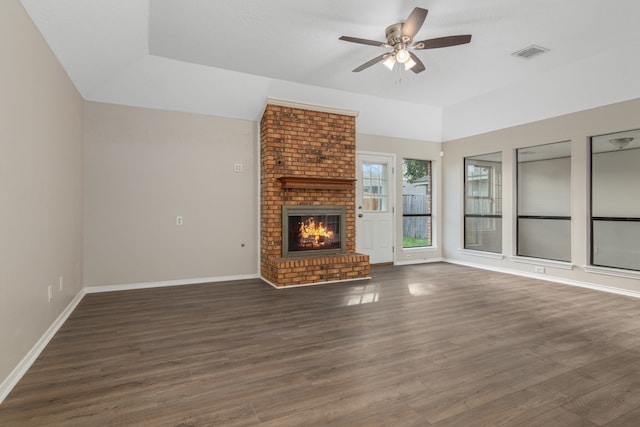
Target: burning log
[312,235]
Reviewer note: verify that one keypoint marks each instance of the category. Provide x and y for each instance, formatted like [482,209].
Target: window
[416,203]
[483,203]
[615,200]
[544,201]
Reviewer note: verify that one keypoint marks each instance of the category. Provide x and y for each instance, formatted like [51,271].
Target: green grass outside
[414,242]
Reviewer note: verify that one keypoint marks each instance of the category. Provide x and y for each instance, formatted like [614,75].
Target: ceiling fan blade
[419,67]
[442,42]
[372,62]
[414,22]
[363,41]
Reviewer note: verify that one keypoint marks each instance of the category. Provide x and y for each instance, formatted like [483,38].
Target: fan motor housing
[394,35]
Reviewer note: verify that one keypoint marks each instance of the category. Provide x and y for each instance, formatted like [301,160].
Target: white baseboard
[18,372]
[417,261]
[162,284]
[594,286]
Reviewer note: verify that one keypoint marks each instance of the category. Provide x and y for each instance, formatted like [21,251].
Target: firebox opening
[313,230]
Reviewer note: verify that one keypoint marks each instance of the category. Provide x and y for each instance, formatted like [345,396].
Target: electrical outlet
[539,270]
[50,292]
[238,167]
[179,220]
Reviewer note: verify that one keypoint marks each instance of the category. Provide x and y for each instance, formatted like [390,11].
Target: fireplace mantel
[317,183]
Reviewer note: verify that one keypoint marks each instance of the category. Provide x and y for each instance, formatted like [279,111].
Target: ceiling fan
[400,38]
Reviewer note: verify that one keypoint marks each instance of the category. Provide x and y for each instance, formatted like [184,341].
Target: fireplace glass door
[312,230]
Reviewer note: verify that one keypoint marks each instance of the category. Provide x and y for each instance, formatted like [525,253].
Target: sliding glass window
[544,201]
[416,203]
[483,203]
[615,200]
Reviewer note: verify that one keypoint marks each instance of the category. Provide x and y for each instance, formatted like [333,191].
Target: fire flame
[309,231]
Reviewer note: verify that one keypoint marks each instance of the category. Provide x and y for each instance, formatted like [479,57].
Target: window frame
[593,219]
[538,217]
[429,196]
[491,196]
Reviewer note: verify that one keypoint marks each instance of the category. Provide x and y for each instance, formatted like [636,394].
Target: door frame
[392,195]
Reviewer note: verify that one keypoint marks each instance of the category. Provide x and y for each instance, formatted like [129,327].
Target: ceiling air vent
[530,51]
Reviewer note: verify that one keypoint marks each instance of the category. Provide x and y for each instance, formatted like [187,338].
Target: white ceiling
[225,57]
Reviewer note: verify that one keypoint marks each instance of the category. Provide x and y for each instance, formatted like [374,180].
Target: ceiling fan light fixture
[390,62]
[402,56]
[409,64]
[620,143]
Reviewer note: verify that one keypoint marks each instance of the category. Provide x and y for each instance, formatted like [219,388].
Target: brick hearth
[317,149]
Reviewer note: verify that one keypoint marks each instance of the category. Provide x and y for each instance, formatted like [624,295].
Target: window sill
[420,249]
[617,272]
[545,262]
[481,254]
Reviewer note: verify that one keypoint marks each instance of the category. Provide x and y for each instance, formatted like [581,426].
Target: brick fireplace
[307,159]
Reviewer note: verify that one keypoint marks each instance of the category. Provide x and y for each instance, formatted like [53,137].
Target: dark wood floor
[422,345]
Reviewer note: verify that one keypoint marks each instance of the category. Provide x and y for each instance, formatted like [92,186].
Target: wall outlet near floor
[61,283]
[179,220]
[50,292]
[539,270]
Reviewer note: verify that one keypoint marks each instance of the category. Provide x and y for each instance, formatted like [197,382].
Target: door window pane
[375,183]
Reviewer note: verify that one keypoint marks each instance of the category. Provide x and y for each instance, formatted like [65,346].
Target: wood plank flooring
[423,345]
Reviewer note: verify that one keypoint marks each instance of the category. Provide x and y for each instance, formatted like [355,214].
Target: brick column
[299,142]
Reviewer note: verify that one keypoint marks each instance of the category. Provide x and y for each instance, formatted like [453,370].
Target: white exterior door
[374,207]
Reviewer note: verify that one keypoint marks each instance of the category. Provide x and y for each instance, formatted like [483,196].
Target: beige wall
[40,187]
[410,149]
[577,128]
[145,167]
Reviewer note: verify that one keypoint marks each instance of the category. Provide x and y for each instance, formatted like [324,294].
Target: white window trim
[481,254]
[541,261]
[616,272]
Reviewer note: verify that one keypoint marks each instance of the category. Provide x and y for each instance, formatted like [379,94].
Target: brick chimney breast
[318,146]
